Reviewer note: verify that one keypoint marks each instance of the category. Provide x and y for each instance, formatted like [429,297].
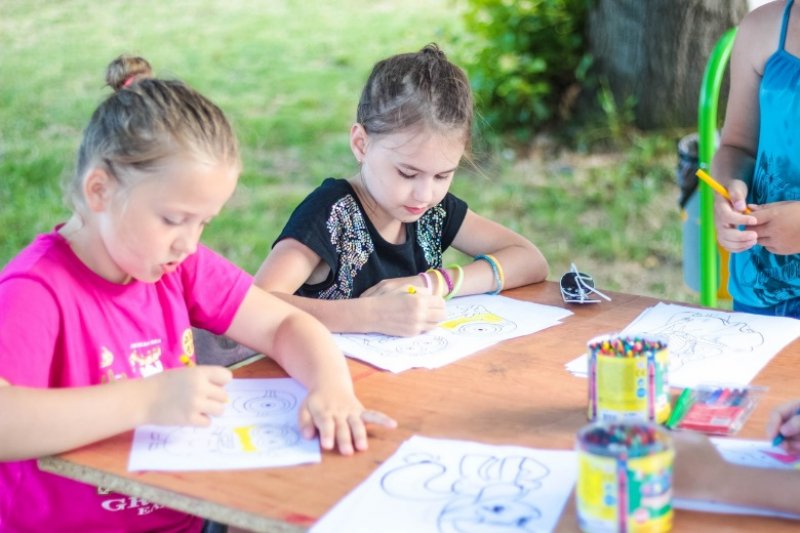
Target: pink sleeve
[214,289]
[29,327]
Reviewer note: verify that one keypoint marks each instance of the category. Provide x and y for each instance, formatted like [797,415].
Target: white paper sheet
[706,345]
[472,324]
[258,429]
[437,485]
[753,453]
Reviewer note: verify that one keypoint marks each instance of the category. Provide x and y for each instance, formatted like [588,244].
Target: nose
[423,190]
[186,243]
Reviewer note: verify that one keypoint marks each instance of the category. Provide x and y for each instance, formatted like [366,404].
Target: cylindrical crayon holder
[628,378]
[624,477]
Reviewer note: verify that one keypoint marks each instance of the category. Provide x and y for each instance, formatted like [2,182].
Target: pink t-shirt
[62,325]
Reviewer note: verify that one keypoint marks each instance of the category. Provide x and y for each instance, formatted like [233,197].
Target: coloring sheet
[449,486]
[753,453]
[472,324]
[258,429]
[707,345]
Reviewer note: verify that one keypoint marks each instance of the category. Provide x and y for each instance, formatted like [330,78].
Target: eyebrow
[415,169]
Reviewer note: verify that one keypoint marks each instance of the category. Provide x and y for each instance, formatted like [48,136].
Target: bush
[525,59]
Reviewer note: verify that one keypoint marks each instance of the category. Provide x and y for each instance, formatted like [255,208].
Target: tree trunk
[656,51]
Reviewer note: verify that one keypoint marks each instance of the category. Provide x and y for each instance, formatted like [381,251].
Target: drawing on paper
[263,403]
[698,335]
[387,345]
[254,438]
[475,321]
[487,493]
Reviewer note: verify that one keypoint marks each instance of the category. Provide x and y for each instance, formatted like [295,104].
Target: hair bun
[125,69]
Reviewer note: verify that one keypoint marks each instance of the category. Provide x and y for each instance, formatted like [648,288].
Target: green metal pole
[707,144]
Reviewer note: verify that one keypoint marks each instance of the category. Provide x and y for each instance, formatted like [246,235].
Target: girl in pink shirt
[96,316]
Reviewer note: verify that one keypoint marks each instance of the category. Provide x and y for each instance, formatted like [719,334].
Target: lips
[415,210]
[172,266]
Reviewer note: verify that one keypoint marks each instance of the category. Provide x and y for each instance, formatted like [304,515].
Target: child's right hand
[729,215]
[786,421]
[187,396]
[395,311]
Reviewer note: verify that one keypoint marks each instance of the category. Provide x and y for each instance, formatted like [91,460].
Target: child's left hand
[777,227]
[339,418]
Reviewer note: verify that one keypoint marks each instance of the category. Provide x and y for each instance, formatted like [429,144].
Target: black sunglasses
[577,287]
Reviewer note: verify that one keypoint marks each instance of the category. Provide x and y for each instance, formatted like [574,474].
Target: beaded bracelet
[457,282]
[441,282]
[447,279]
[498,280]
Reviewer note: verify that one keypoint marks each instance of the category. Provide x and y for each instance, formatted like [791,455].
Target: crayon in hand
[717,186]
[779,438]
[186,360]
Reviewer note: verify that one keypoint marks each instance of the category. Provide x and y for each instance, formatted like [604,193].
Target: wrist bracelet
[498,280]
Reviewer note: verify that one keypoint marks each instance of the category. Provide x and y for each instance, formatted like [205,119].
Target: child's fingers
[326,427]
[358,432]
[218,375]
[307,427]
[344,437]
[379,419]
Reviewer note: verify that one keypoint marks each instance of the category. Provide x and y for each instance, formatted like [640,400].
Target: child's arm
[521,261]
[701,473]
[305,349]
[734,161]
[290,264]
[36,422]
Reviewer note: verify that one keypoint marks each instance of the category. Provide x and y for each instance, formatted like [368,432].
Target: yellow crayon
[717,186]
[186,360]
[412,289]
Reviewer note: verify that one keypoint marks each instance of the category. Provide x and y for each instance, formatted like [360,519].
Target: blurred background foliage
[560,159]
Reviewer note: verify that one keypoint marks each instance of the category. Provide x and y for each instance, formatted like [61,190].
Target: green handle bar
[707,145]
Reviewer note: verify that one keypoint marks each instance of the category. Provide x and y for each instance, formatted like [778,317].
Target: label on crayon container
[616,493]
[628,379]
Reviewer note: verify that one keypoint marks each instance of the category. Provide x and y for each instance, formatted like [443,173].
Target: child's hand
[728,216]
[786,421]
[777,227]
[397,286]
[187,396]
[340,418]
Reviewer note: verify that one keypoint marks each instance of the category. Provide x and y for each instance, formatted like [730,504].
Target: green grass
[288,74]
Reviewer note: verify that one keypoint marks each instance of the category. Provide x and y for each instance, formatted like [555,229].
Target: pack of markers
[716,409]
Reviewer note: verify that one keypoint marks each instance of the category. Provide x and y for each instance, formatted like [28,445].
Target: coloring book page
[258,429]
[752,453]
[448,486]
[707,345]
[472,324]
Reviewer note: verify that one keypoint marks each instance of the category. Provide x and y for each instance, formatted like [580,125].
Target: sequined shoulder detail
[350,237]
[429,235]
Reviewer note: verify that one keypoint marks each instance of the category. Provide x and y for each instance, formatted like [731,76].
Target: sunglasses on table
[578,288]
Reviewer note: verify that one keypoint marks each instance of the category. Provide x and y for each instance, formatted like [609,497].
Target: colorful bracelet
[440,279]
[457,282]
[426,279]
[499,271]
[498,280]
[448,280]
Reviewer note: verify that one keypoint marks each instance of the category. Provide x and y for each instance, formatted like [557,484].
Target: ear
[98,189]
[358,141]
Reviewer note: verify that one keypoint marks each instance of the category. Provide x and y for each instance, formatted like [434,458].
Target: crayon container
[624,477]
[628,378]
